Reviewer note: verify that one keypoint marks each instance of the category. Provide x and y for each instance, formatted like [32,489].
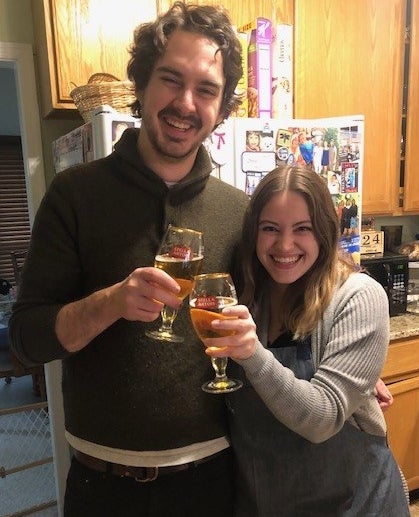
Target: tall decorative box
[259,58]
[282,72]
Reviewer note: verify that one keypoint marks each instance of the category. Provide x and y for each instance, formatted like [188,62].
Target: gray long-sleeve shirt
[349,348]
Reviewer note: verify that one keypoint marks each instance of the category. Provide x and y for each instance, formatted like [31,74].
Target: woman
[308,432]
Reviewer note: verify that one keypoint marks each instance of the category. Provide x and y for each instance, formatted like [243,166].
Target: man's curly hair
[150,40]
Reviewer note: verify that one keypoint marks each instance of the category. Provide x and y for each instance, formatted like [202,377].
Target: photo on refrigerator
[331,147]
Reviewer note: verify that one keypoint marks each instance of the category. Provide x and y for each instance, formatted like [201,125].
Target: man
[146,439]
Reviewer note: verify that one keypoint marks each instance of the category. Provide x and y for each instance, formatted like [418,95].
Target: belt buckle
[149,476]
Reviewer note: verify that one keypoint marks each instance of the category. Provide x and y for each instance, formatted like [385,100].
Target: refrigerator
[244,150]
[92,140]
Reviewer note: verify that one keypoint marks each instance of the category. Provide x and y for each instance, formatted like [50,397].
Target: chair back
[18,259]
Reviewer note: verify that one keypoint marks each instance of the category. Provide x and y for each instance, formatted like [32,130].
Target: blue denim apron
[281,474]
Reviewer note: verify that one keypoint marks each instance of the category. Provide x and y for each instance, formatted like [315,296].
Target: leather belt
[140,474]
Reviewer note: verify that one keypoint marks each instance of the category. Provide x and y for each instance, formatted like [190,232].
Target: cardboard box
[92,140]
[242,111]
[72,148]
[282,71]
[259,62]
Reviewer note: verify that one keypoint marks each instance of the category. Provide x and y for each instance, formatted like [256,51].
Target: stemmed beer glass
[210,294]
[180,255]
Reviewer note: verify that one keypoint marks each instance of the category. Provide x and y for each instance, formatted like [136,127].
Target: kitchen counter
[405,325]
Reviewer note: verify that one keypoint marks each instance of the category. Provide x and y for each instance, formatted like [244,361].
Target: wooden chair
[11,367]
[18,259]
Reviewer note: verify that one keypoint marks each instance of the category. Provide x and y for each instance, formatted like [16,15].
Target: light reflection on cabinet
[345,65]
[411,163]
[76,39]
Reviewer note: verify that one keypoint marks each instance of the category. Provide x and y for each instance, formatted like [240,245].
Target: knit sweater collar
[130,163]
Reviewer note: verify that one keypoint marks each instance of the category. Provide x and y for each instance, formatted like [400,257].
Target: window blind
[14,213]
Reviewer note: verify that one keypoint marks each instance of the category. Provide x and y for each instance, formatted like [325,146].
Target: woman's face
[286,245]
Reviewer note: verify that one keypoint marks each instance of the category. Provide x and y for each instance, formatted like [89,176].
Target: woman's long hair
[306,299]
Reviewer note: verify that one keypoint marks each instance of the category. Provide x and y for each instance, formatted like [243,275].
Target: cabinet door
[244,12]
[348,60]
[402,360]
[411,179]
[402,426]
[77,38]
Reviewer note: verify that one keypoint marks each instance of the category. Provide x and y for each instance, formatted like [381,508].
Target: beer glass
[210,294]
[180,255]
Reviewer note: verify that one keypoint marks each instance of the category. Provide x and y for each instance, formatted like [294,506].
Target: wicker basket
[103,89]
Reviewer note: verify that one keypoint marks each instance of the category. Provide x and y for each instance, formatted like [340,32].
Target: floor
[15,395]
[18,393]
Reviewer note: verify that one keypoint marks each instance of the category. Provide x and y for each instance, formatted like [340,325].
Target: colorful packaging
[259,57]
[282,71]
[242,110]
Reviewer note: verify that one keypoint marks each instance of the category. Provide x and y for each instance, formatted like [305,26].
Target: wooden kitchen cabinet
[243,12]
[401,374]
[76,38]
[411,177]
[346,63]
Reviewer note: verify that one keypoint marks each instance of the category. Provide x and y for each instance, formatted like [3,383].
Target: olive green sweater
[96,224]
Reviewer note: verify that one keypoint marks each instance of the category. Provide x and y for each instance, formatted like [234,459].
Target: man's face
[182,101]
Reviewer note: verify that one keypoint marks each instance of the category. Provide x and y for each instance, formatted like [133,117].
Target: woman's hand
[240,343]
[383,395]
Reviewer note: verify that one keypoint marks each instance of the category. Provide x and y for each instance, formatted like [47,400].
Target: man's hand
[139,297]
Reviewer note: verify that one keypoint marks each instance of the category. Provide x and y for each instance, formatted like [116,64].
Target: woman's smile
[286,244]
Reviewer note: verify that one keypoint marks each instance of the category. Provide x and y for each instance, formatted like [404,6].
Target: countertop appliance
[392,271]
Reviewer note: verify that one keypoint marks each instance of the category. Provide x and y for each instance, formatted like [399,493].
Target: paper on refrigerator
[332,147]
[92,140]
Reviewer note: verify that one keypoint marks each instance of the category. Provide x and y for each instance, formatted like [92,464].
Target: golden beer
[183,271]
[202,318]
[211,293]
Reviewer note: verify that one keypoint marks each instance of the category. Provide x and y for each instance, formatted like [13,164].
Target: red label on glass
[181,252]
[206,302]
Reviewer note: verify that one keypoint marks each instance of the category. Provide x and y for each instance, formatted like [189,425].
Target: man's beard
[164,149]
